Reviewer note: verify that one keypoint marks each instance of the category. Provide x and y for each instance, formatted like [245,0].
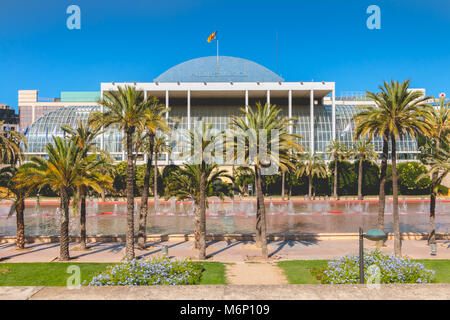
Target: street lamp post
[373,235]
[361,256]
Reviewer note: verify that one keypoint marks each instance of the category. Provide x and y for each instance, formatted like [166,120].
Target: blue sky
[136,40]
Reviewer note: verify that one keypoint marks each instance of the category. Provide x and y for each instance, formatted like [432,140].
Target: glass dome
[42,130]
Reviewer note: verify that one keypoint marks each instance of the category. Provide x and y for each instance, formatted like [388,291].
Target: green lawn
[299,271]
[303,271]
[442,268]
[214,273]
[44,274]
[55,273]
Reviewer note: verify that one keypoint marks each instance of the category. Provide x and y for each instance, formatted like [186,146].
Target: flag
[212,36]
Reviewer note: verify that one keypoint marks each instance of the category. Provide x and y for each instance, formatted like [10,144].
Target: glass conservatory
[42,131]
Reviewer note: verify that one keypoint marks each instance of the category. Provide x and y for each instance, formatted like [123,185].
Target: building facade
[32,107]
[8,118]
[204,90]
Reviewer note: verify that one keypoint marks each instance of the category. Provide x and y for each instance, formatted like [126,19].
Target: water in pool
[234,216]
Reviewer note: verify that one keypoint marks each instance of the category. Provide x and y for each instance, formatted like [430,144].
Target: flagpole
[217,56]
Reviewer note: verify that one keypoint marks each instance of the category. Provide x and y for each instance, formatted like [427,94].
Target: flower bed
[156,271]
[387,268]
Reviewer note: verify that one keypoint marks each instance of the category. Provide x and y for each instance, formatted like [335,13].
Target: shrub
[443,190]
[156,271]
[408,172]
[243,177]
[347,178]
[371,177]
[388,185]
[392,269]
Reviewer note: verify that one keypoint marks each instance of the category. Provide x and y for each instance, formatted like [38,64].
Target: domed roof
[43,129]
[230,69]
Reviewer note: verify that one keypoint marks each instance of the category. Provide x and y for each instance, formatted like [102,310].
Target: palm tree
[10,190]
[186,183]
[161,145]
[370,123]
[11,143]
[126,110]
[84,136]
[311,165]
[363,151]
[398,112]
[438,142]
[338,152]
[201,139]
[63,171]
[439,168]
[10,148]
[154,120]
[254,125]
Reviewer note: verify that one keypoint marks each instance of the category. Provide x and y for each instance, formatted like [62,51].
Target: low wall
[223,237]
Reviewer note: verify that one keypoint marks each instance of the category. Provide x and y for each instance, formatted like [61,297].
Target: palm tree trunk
[233,175]
[382,193]
[397,241]
[143,212]
[432,231]
[64,231]
[283,178]
[258,231]
[130,195]
[155,178]
[261,214]
[360,177]
[103,195]
[202,214]
[20,223]
[290,187]
[433,195]
[196,225]
[309,187]
[335,192]
[83,218]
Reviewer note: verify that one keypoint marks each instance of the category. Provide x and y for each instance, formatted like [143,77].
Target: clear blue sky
[136,40]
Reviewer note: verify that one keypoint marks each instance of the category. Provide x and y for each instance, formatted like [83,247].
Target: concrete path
[230,292]
[223,251]
[254,273]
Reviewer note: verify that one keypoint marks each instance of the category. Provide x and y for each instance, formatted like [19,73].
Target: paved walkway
[254,273]
[231,292]
[239,251]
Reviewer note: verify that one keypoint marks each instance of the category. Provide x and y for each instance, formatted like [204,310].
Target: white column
[290,108]
[167,105]
[189,109]
[268,96]
[311,124]
[246,100]
[145,153]
[102,137]
[246,105]
[333,115]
